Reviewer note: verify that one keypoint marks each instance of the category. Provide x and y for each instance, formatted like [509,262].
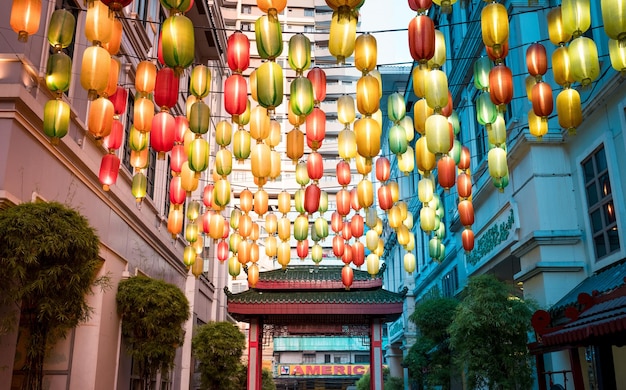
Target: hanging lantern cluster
[235,86]
[269,42]
[368,128]
[56,119]
[568,104]
[465,206]
[541,92]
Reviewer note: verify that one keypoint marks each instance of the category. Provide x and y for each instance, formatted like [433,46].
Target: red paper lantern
[464,185]
[466,158]
[536,60]
[177,158]
[344,176]
[116,5]
[383,169]
[466,213]
[501,85]
[235,94]
[385,199]
[422,38]
[119,99]
[113,141]
[354,200]
[182,124]
[358,254]
[207,195]
[347,254]
[302,249]
[222,251]
[420,5]
[468,239]
[238,52]
[162,133]
[109,168]
[339,246]
[347,276]
[543,103]
[206,221]
[315,166]
[343,202]
[336,222]
[318,79]
[346,232]
[166,88]
[315,128]
[357,225]
[177,192]
[446,172]
[312,198]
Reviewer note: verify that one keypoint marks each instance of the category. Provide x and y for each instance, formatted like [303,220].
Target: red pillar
[376,355]
[255,354]
[577,372]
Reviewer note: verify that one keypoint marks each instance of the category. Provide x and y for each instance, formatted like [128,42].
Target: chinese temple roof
[593,312]
[315,294]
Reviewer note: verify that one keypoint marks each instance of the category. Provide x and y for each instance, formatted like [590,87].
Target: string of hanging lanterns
[436,122]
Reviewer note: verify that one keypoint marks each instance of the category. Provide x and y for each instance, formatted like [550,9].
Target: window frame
[605,139]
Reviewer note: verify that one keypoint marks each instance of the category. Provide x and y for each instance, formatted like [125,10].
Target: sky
[376,15]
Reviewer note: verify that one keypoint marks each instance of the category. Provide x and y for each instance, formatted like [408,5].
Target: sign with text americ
[323,369]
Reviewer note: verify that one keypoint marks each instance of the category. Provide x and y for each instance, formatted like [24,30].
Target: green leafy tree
[267,380]
[489,335]
[430,358]
[389,382]
[48,263]
[219,346]
[153,313]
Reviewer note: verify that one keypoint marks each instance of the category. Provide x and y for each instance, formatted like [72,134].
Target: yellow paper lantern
[342,36]
[365,53]
[367,132]
[537,126]
[496,159]
[98,22]
[569,110]
[367,95]
[576,16]
[561,67]
[347,145]
[95,68]
[494,23]
[438,134]
[583,55]
[556,31]
[436,89]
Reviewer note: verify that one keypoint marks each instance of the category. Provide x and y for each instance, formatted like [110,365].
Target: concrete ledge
[549,266]
[545,237]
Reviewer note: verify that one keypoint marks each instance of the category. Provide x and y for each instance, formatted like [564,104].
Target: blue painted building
[557,223]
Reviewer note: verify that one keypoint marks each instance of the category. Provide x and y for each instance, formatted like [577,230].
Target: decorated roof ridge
[316,273]
[362,297]
[602,282]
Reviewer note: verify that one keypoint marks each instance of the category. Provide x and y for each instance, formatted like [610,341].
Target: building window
[151,173]
[308,358]
[362,359]
[309,29]
[450,283]
[327,358]
[246,26]
[600,203]
[246,9]
[146,10]
[309,12]
[130,119]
